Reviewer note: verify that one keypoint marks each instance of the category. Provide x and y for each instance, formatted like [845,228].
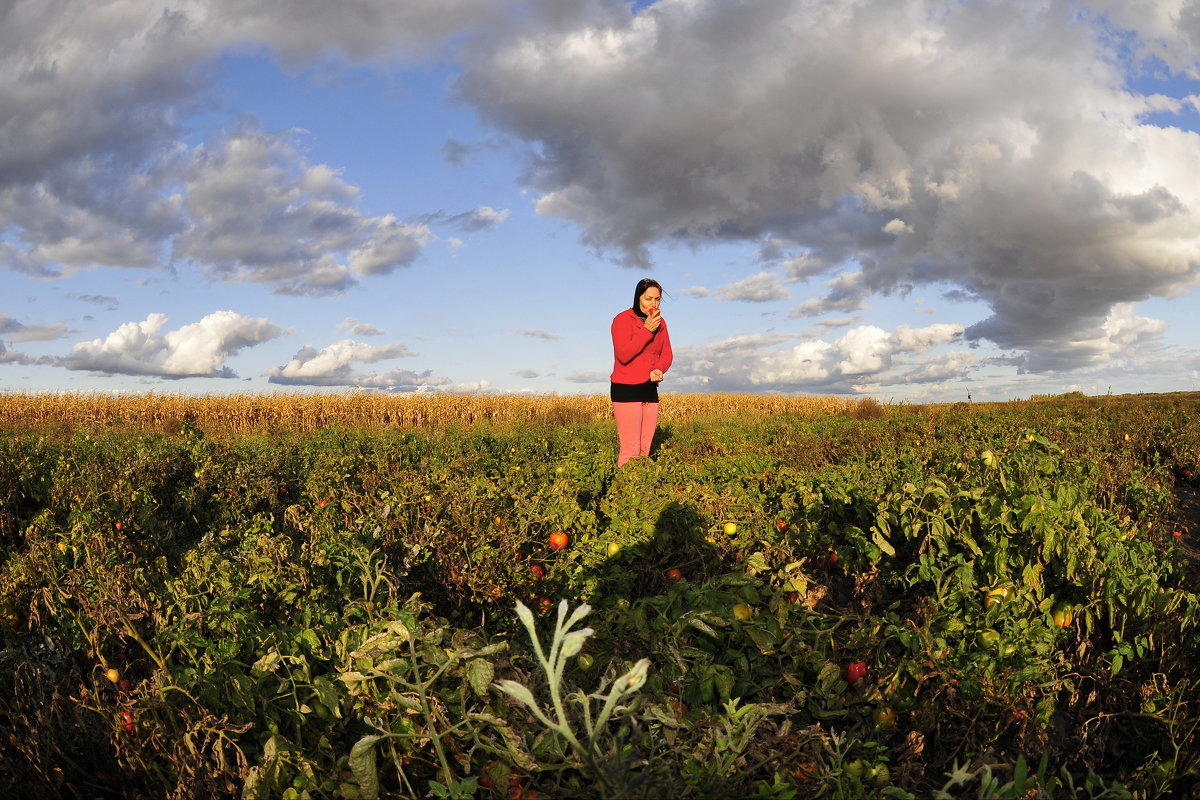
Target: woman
[641,353]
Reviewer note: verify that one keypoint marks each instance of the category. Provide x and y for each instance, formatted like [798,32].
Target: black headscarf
[639,290]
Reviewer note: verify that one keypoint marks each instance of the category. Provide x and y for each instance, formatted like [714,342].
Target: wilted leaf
[362,766]
[480,673]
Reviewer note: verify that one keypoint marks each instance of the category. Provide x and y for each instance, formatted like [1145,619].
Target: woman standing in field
[641,354]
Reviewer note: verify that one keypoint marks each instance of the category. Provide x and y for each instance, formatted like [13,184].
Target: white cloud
[765,363]
[334,365]
[804,266]
[539,334]
[196,350]
[357,328]
[588,377]
[956,364]
[761,287]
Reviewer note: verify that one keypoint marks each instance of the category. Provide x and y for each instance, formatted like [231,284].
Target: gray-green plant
[565,644]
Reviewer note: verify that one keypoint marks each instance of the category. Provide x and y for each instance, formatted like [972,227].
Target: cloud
[196,350]
[108,301]
[484,218]
[14,331]
[261,214]
[457,152]
[13,357]
[357,328]
[779,362]
[989,147]
[527,373]
[539,334]
[955,365]
[587,377]
[847,292]
[95,172]
[761,287]
[1121,335]
[334,365]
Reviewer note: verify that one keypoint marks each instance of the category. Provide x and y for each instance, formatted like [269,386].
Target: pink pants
[635,428]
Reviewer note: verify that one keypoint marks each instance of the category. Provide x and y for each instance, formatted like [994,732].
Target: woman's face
[651,298]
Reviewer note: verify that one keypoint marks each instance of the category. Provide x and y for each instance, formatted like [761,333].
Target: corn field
[307,412]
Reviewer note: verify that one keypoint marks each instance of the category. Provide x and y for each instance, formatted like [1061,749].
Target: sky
[909,200]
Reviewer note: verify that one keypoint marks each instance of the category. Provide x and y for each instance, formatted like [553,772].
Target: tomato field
[967,600]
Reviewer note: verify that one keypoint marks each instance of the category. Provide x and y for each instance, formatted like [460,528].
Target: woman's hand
[656,375]
[653,320]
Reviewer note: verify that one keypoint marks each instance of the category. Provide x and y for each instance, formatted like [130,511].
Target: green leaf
[1020,775]
[309,639]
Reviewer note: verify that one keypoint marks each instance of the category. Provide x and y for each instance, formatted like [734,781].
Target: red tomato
[675,574]
[558,540]
[855,672]
[537,571]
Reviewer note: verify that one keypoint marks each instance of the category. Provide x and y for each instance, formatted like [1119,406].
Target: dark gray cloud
[484,218]
[13,330]
[989,146]
[8,356]
[260,213]
[94,172]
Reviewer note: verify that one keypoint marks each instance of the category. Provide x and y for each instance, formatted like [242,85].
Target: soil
[1186,519]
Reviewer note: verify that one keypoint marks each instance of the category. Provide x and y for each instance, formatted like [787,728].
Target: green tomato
[1063,615]
[585,661]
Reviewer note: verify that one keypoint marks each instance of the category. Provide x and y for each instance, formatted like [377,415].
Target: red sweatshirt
[636,350]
